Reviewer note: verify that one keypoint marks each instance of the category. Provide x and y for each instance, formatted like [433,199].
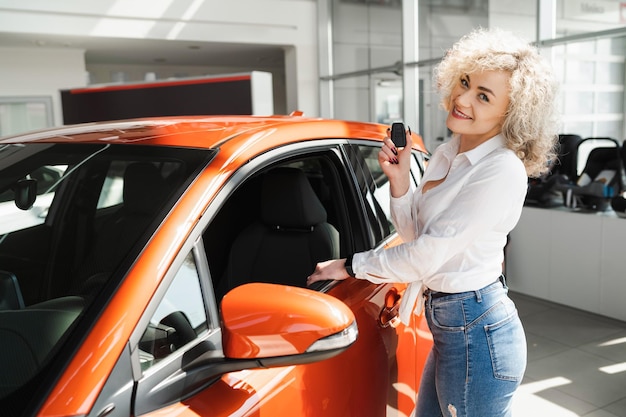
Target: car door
[375,376]
[408,346]
[380,373]
[356,382]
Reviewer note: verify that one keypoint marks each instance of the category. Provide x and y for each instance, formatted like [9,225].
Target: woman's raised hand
[396,164]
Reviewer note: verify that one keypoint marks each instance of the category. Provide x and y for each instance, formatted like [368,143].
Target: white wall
[571,258]
[290,24]
[27,72]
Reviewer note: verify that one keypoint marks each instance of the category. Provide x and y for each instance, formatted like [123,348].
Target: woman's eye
[464,82]
[483,97]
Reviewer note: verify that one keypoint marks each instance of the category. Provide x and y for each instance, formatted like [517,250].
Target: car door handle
[388,316]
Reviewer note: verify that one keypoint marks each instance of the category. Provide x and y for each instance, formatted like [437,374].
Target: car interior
[286,241]
[99,219]
[279,224]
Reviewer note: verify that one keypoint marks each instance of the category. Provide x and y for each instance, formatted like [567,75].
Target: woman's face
[478,104]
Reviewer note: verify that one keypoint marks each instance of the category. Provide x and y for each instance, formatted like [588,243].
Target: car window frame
[353,227]
[352,155]
[173,364]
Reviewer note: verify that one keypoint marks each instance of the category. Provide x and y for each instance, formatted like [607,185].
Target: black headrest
[143,185]
[10,294]
[288,200]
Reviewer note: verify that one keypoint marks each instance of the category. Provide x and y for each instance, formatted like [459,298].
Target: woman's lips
[459,114]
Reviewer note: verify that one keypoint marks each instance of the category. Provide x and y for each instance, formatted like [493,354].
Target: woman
[499,95]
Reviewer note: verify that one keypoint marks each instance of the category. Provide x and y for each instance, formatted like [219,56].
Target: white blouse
[454,233]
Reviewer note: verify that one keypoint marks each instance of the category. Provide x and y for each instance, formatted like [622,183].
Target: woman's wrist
[399,187]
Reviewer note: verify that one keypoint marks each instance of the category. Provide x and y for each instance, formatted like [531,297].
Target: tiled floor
[576,362]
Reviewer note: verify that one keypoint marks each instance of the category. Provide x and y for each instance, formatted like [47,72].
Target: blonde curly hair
[530,127]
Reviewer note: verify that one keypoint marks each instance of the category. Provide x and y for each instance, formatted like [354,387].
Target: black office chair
[290,238]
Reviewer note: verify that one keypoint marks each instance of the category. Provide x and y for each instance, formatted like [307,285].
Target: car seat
[10,293]
[600,180]
[546,191]
[143,193]
[28,337]
[290,238]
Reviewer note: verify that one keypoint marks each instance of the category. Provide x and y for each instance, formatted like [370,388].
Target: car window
[112,188]
[108,202]
[374,187]
[179,318]
[13,218]
[269,231]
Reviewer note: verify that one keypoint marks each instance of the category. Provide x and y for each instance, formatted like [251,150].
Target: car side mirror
[263,326]
[279,325]
[25,191]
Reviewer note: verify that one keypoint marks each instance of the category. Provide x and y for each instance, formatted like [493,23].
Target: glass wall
[584,16]
[372,55]
[592,75]
[366,45]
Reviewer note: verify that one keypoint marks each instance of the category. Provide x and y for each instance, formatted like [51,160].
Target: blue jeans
[478,357]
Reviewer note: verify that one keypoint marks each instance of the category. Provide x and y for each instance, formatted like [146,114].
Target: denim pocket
[507,347]
[448,315]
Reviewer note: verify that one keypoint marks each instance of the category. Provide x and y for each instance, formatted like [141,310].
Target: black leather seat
[28,337]
[290,238]
[143,194]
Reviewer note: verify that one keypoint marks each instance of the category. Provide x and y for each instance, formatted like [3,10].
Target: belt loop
[503,281]
[479,297]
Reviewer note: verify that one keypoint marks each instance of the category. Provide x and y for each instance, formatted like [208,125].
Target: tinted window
[102,204]
[12,217]
[269,231]
[179,319]
[374,187]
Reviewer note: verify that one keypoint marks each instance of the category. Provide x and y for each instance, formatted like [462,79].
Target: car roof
[204,131]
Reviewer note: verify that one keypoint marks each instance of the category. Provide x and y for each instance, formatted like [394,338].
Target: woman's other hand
[328,270]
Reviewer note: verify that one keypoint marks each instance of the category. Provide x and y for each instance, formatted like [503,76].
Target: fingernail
[394,150]
[388,129]
[395,161]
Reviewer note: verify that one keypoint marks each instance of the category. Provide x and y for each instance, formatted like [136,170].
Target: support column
[410,73]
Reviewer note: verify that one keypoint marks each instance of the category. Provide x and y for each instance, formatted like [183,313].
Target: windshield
[72,219]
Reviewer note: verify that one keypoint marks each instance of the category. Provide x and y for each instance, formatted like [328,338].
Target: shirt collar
[484,149]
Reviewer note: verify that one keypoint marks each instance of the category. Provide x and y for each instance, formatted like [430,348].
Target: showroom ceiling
[100,50]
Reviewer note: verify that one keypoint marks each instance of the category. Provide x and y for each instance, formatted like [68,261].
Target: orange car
[157,267]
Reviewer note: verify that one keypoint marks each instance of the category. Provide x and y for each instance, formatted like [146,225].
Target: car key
[398,134]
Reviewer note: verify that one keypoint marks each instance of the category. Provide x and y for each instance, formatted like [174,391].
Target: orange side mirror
[263,320]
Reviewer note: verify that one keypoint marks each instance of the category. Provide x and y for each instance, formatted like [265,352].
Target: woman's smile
[459,114]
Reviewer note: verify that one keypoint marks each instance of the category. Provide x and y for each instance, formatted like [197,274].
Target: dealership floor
[576,362]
